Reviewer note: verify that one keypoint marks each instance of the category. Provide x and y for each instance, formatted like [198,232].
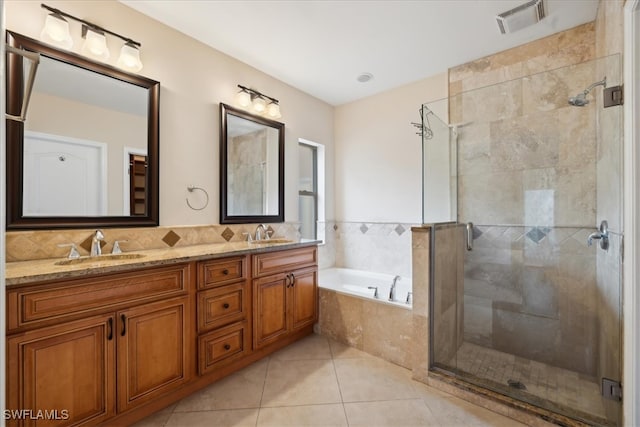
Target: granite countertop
[26,272]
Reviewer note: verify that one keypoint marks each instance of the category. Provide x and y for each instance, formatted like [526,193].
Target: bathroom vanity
[113,341]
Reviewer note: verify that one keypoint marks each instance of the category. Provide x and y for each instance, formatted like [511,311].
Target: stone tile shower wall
[527,180]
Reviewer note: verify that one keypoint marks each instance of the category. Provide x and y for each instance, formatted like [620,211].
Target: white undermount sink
[101,258]
[270,241]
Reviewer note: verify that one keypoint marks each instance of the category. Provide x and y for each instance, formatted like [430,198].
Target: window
[311,189]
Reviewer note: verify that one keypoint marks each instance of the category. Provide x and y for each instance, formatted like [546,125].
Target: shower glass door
[532,311]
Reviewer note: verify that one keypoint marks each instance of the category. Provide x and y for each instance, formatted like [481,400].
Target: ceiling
[322,46]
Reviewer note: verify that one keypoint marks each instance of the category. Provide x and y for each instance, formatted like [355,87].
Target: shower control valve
[602,235]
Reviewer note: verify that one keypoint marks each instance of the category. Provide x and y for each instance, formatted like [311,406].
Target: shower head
[581,100]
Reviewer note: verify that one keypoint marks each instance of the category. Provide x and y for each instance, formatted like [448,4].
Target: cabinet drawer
[68,299]
[221,306]
[222,346]
[221,272]
[280,261]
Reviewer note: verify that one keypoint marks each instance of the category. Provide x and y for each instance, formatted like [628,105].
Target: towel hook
[191,189]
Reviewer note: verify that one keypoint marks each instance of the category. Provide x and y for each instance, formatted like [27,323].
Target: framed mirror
[251,168]
[87,153]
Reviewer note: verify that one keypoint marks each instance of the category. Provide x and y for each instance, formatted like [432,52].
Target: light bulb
[95,45]
[273,110]
[243,98]
[129,58]
[56,31]
[259,104]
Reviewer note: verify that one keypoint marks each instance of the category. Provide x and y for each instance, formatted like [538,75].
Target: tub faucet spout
[392,291]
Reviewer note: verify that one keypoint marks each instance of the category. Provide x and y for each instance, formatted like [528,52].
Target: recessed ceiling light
[365,77]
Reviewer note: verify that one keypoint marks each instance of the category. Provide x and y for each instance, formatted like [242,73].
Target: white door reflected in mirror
[63,176]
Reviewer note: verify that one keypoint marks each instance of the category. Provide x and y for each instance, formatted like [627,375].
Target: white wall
[194,80]
[378,154]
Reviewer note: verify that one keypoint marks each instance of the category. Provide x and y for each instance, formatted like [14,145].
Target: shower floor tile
[547,386]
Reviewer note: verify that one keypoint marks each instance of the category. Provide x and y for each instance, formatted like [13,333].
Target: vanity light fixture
[258,102]
[56,32]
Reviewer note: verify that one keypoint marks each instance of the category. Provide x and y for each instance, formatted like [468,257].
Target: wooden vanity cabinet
[285,294]
[223,311]
[95,361]
[112,349]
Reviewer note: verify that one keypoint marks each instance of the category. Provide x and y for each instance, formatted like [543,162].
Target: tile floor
[319,382]
[546,385]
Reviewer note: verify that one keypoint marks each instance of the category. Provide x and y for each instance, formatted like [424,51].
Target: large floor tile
[238,391]
[312,347]
[405,413]
[364,380]
[159,419]
[457,412]
[300,382]
[311,415]
[427,392]
[227,418]
[343,351]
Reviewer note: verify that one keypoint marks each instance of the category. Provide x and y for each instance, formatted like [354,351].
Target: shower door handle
[469,236]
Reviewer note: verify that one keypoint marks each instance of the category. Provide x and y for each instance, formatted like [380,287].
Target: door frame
[631,285]
[126,185]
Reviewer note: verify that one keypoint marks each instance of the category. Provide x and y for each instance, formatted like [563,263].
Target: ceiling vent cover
[522,16]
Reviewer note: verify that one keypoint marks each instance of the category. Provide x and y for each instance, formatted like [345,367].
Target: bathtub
[356,283]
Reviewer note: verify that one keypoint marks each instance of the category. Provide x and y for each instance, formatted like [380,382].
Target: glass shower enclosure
[521,304]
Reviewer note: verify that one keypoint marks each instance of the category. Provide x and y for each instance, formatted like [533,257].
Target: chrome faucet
[261,235]
[392,291]
[96,249]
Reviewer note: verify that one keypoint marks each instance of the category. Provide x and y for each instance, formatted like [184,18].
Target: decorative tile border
[42,244]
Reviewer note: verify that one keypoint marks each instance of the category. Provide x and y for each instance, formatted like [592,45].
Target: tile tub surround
[43,244]
[327,384]
[371,246]
[383,330]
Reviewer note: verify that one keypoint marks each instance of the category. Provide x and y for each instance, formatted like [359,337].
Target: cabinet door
[269,309]
[152,350]
[304,298]
[68,370]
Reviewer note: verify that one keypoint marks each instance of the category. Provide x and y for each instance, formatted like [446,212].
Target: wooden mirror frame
[15,142]
[225,218]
